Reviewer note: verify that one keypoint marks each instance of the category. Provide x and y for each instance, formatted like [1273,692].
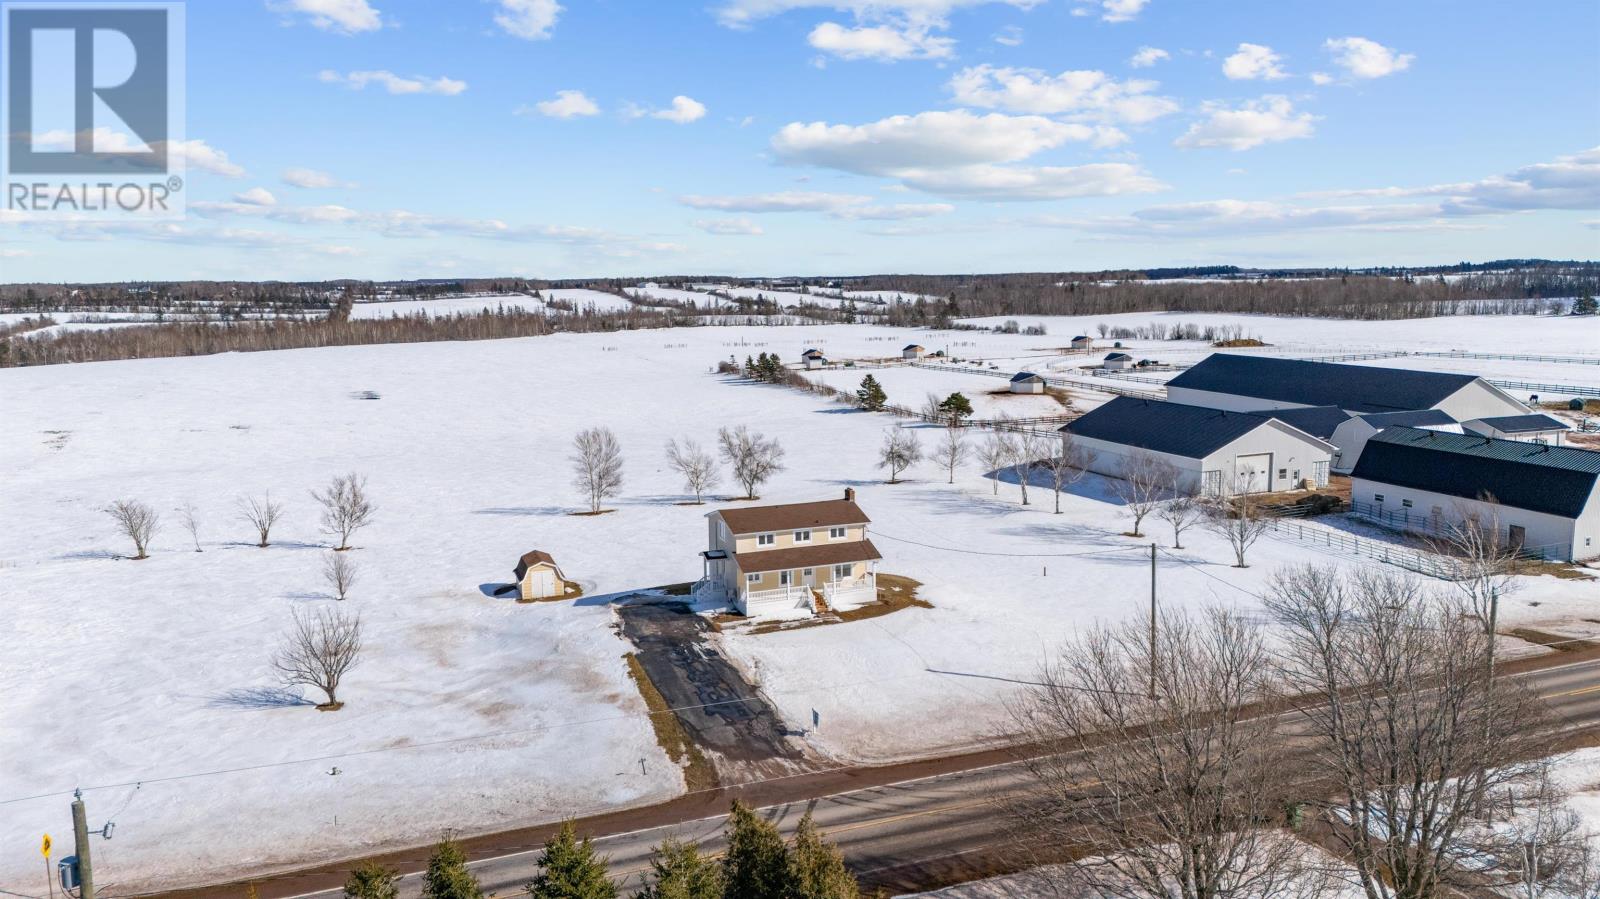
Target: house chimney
[849,494]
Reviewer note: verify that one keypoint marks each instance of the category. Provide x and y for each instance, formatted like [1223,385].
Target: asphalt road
[916,832]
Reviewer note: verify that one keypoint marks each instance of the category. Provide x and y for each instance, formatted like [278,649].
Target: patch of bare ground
[591,514]
[698,772]
[1239,342]
[1564,570]
[1556,642]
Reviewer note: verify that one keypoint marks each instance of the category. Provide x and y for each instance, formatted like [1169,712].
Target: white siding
[1578,538]
[1287,448]
[1230,401]
[1481,400]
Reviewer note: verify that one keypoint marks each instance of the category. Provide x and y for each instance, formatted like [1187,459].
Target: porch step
[822,604]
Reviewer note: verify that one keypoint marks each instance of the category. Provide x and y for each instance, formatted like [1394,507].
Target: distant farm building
[1252,383]
[779,561]
[1535,428]
[1082,342]
[1026,382]
[1546,498]
[813,358]
[538,577]
[1116,361]
[1216,452]
[912,352]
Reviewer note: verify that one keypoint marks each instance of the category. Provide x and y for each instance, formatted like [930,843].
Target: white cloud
[1009,36]
[14,253]
[1568,182]
[312,179]
[394,84]
[566,105]
[786,201]
[1253,61]
[195,154]
[1121,10]
[743,13]
[1089,93]
[892,212]
[926,140]
[1007,183]
[341,16]
[1364,58]
[1321,78]
[683,111]
[530,20]
[884,43]
[256,196]
[1269,119]
[741,226]
[1147,57]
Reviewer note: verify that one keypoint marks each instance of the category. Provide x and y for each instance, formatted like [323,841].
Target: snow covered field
[446,305]
[646,292]
[471,711]
[583,298]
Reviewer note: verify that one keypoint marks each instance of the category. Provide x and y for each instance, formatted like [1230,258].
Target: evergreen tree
[871,394]
[1585,305]
[750,370]
[955,407]
[447,876]
[756,864]
[816,869]
[571,870]
[679,871]
[371,880]
[770,366]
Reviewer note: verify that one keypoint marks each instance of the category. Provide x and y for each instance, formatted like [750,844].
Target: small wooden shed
[538,577]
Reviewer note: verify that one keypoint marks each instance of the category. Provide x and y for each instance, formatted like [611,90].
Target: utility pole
[80,845]
[1152,621]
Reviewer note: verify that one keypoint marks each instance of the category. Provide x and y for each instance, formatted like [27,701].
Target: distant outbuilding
[538,577]
[1115,361]
[1533,428]
[1083,342]
[813,358]
[1026,382]
[911,352]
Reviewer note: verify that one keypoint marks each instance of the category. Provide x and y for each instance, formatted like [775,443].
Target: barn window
[1377,497]
[1406,503]
[1283,474]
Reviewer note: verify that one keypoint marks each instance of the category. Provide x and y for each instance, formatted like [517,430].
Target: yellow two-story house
[780,561]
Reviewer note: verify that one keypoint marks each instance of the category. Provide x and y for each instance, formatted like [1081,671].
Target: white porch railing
[793,596]
[849,593]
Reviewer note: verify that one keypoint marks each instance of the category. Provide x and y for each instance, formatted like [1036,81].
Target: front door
[1518,537]
[810,577]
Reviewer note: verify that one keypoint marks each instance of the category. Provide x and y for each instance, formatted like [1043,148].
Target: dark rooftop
[1358,388]
[825,513]
[1520,424]
[1540,478]
[1188,431]
[1318,421]
[1025,376]
[1416,418]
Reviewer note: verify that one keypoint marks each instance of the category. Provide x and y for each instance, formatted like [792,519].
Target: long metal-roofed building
[1544,497]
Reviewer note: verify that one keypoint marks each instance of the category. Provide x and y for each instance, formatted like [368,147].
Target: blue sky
[402,139]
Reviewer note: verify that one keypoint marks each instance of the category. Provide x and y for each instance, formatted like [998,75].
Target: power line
[979,552]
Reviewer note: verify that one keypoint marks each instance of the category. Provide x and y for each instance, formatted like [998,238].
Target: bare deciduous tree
[1410,733]
[345,508]
[1175,809]
[597,465]
[189,517]
[1144,479]
[1240,519]
[1068,465]
[261,514]
[754,458]
[995,453]
[1482,555]
[340,571]
[318,651]
[698,468]
[1031,448]
[1180,512]
[136,521]
[901,449]
[951,451]
[1539,844]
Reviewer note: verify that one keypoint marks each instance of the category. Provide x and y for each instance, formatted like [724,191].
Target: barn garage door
[1254,473]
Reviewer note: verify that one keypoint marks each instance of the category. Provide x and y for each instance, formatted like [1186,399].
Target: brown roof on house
[533,558]
[831,512]
[807,556]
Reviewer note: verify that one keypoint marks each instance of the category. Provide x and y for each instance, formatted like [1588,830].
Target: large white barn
[1546,498]
[1253,383]
[1215,451]
[1351,437]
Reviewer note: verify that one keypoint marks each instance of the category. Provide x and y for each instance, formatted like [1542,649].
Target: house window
[785,578]
[802,536]
[841,572]
[766,539]
[837,533]
[1377,497]
[1406,503]
[806,573]
[752,578]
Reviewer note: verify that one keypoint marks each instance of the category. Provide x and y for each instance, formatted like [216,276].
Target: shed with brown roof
[538,576]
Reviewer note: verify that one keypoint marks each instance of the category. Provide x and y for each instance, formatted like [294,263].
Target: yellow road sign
[44,847]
